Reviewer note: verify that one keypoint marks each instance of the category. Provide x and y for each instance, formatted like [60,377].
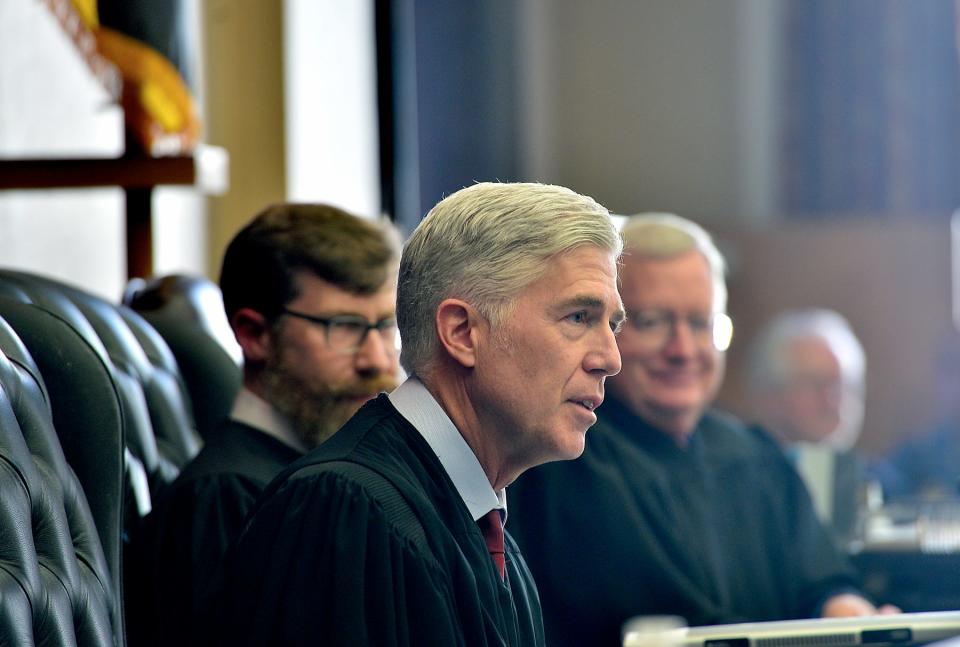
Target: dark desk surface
[914,581]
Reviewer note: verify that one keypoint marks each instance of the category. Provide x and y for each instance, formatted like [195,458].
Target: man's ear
[253,334]
[458,327]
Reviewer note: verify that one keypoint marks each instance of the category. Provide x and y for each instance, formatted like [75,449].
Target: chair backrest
[135,346]
[188,297]
[188,312]
[87,414]
[57,584]
[160,432]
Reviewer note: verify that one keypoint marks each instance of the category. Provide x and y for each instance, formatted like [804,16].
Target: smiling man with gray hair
[675,508]
[391,533]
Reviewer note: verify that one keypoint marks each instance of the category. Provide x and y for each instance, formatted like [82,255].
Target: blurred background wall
[817,138]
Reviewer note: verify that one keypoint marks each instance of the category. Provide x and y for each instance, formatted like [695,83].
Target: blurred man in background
[674,508]
[806,376]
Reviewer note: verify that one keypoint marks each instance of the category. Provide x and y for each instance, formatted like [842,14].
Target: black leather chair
[133,346]
[58,586]
[188,312]
[161,433]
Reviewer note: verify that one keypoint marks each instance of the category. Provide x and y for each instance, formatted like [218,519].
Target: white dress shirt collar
[251,409]
[418,406]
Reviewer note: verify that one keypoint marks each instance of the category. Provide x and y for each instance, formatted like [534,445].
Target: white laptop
[878,631]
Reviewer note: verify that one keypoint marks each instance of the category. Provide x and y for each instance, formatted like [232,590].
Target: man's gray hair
[765,365]
[666,235]
[485,244]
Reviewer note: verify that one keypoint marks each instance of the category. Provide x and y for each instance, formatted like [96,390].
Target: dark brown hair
[261,261]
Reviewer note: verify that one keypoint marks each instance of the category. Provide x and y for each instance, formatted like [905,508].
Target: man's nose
[375,355]
[681,340]
[605,359]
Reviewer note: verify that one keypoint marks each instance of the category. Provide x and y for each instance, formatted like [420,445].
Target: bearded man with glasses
[674,507]
[310,292]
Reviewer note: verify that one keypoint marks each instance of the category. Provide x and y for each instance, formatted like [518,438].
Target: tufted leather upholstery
[188,312]
[160,432]
[168,397]
[153,368]
[57,585]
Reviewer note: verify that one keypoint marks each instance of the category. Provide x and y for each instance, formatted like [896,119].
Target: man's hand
[850,604]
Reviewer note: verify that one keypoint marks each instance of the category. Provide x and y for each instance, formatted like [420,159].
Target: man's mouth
[588,403]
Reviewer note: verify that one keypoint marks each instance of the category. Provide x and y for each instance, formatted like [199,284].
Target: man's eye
[699,324]
[616,326]
[641,322]
[578,317]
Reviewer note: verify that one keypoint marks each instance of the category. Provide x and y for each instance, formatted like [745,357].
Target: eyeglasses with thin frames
[346,333]
[656,327]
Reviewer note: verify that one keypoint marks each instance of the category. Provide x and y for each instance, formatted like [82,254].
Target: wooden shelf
[207,170]
[75,173]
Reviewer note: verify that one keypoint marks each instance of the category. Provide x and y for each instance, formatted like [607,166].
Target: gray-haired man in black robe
[391,532]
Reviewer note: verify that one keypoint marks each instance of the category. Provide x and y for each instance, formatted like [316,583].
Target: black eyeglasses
[346,333]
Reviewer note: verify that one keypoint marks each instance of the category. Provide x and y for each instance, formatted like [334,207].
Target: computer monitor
[898,630]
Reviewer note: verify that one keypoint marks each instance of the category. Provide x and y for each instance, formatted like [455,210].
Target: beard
[317,409]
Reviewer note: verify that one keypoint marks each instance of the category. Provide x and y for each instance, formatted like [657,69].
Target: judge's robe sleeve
[319,563]
[601,553]
[202,521]
[173,561]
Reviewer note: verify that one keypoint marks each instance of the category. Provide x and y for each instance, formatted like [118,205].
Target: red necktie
[492,528]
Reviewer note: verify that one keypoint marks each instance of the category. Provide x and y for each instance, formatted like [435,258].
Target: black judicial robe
[175,558]
[722,531]
[366,541]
